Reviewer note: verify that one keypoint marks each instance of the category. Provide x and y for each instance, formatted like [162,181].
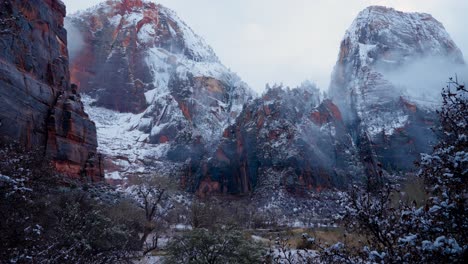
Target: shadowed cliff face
[394,118]
[38,105]
[109,62]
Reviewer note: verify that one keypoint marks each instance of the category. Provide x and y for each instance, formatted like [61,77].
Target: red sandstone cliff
[39,107]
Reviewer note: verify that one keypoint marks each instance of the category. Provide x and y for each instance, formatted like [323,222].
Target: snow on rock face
[119,39]
[380,42]
[156,89]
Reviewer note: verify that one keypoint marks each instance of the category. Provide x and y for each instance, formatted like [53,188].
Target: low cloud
[75,40]
[423,79]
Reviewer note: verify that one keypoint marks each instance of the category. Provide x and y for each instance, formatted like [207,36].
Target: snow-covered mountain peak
[163,88]
[379,42]
[393,37]
[388,77]
[152,23]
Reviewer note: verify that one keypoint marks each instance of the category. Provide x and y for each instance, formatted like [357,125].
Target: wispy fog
[75,40]
[423,79]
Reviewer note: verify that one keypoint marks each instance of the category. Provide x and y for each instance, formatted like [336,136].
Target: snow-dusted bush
[445,171]
[48,219]
[281,251]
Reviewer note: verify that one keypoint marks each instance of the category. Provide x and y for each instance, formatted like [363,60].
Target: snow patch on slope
[117,137]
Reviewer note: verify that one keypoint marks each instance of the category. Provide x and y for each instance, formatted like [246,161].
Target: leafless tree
[153,197]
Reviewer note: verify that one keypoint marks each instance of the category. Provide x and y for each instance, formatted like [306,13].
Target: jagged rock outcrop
[157,91]
[287,139]
[394,121]
[38,105]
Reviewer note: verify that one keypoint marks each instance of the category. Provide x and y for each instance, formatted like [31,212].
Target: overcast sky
[290,41]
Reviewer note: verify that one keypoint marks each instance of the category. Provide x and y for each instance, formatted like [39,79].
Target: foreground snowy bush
[407,233]
[48,219]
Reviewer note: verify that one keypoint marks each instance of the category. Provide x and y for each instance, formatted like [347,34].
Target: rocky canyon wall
[39,107]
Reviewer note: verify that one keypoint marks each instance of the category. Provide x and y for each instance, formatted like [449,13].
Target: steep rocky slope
[157,91]
[387,114]
[38,105]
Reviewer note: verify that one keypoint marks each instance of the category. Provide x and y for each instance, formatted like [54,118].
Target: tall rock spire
[380,42]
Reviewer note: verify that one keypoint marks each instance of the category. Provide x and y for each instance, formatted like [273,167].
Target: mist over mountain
[191,119]
[159,85]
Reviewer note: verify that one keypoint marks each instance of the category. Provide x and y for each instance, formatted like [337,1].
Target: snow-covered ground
[149,260]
